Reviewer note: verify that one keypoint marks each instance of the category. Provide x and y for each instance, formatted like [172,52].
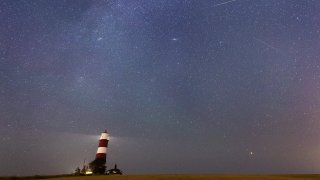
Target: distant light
[88,172]
[174,39]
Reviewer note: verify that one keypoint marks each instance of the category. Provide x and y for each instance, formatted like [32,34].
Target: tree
[77,171]
[98,166]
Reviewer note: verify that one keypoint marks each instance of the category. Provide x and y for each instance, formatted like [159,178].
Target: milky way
[182,86]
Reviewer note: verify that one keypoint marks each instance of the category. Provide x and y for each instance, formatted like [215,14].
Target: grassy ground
[177,177]
[194,177]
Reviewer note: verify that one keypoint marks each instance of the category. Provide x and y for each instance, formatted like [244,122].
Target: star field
[183,86]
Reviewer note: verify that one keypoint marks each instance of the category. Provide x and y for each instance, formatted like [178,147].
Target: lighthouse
[102,148]
[98,166]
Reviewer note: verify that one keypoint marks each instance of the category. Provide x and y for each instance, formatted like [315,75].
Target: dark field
[175,177]
[194,177]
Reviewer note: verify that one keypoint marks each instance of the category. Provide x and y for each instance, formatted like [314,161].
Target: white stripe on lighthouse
[102,150]
[104,136]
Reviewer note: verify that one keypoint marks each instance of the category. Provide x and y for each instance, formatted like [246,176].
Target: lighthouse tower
[98,165]
[103,145]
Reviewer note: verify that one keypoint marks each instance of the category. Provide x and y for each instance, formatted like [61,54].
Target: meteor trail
[268,45]
[223,3]
[265,43]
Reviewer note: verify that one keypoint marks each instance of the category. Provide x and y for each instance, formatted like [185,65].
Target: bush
[98,166]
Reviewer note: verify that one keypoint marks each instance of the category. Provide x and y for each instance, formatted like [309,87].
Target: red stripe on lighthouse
[103,143]
[101,156]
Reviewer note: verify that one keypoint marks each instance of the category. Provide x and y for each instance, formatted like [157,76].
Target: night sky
[182,86]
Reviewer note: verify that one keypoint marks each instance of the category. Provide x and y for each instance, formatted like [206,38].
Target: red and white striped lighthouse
[103,145]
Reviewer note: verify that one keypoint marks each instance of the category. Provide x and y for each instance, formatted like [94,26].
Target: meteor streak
[269,46]
[266,44]
[223,3]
